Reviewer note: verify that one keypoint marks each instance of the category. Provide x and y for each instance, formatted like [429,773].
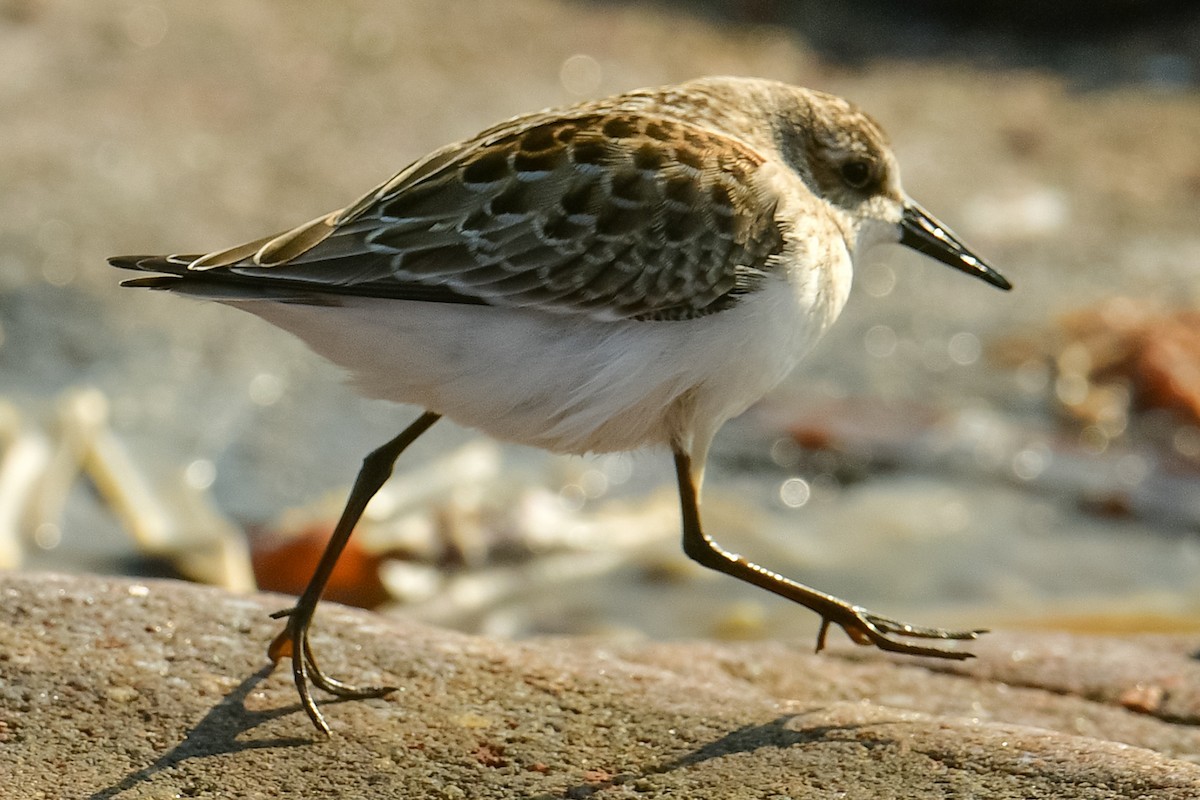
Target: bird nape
[626,272]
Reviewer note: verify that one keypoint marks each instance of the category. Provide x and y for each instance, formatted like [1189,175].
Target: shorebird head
[846,157]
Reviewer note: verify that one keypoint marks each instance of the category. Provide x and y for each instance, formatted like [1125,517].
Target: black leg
[292,641]
[863,626]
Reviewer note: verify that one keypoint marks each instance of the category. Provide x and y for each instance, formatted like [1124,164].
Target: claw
[292,642]
[886,625]
[338,688]
[866,628]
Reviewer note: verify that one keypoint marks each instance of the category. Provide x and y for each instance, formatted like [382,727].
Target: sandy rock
[116,688]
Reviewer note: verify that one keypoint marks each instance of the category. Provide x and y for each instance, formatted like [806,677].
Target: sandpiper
[624,272]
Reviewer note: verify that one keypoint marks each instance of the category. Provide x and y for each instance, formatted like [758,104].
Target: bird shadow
[777,734]
[215,734]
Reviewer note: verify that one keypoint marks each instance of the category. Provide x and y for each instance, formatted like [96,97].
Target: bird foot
[293,640]
[867,628]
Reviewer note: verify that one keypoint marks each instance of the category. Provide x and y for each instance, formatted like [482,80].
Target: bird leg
[863,626]
[292,641]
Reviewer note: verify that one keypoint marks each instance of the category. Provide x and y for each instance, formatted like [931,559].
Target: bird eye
[857,174]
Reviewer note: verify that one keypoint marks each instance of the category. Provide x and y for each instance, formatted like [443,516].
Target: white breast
[569,383]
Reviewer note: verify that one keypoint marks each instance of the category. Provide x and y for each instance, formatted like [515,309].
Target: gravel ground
[174,700]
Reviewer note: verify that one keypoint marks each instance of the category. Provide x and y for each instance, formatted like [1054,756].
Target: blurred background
[949,454]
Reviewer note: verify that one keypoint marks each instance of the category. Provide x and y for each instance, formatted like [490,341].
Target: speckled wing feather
[614,213]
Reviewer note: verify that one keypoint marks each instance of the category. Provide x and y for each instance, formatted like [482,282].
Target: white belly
[562,382]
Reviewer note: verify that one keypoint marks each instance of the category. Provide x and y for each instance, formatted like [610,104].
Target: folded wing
[607,213]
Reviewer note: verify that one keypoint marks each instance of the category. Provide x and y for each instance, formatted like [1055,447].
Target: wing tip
[127,262]
[173,264]
[153,282]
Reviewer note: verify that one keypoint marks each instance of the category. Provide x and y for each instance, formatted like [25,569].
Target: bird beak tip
[921,231]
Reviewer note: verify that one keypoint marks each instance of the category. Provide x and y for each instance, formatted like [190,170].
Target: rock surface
[114,688]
